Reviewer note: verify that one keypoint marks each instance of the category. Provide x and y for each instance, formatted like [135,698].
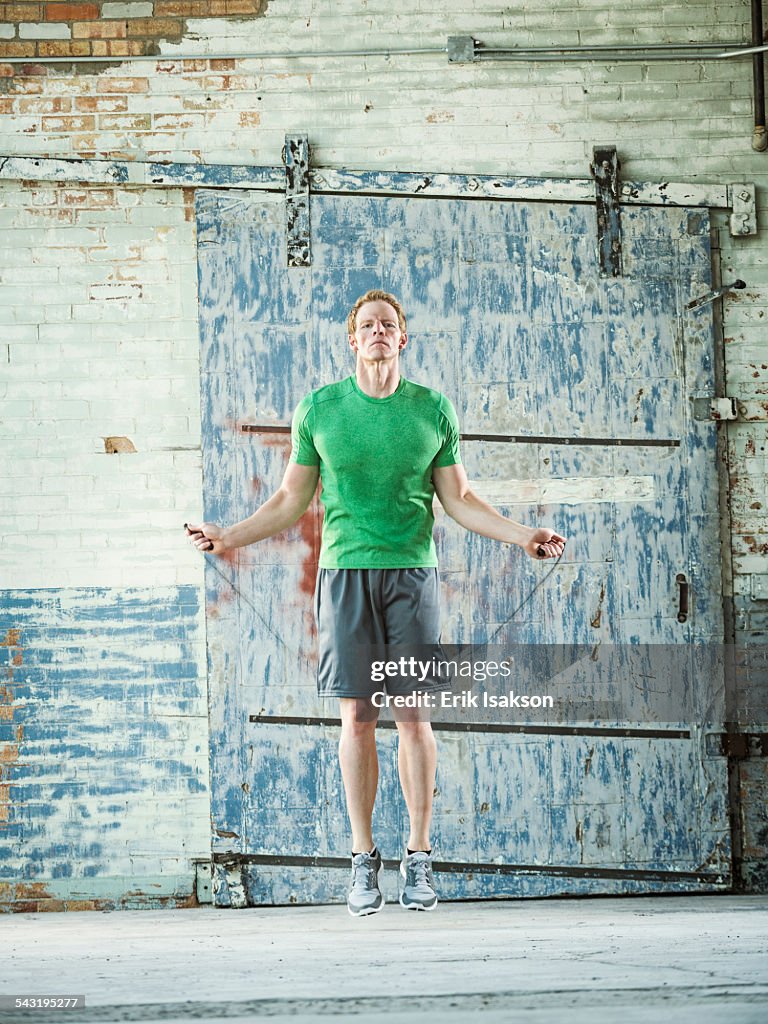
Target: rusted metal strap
[239,860]
[488,727]
[737,745]
[264,428]
[605,170]
[297,225]
[622,442]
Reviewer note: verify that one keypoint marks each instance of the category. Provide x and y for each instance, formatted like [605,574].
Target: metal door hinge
[706,407]
[741,199]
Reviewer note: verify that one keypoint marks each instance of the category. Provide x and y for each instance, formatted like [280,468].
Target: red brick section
[90,35]
[72,12]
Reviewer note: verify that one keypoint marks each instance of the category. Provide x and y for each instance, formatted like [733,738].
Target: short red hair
[376,295]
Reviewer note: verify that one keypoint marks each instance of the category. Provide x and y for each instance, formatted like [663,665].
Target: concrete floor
[682,959]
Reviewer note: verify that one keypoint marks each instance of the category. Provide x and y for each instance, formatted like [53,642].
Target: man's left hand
[551,543]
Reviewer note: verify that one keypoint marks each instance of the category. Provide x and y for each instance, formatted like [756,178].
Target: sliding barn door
[574,396]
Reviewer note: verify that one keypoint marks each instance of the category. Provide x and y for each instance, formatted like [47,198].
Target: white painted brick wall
[128,10]
[119,357]
[100,336]
[45,31]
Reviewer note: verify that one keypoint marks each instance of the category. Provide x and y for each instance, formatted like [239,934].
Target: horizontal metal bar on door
[529,730]
[326,181]
[462,868]
[624,442]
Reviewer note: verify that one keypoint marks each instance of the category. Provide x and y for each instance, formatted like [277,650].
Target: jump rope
[485,643]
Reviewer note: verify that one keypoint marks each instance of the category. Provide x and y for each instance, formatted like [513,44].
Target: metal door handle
[682,611]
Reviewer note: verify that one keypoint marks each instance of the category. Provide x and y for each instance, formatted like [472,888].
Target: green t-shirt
[376,457]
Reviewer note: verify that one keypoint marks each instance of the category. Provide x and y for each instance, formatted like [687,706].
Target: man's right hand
[207,537]
[286,506]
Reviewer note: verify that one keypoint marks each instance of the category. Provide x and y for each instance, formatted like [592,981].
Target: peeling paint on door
[509,317]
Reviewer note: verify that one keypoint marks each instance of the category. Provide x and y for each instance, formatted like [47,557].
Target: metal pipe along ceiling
[607,54]
[466,49]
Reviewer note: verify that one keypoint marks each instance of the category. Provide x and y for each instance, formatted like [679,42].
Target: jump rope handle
[541,552]
[210,545]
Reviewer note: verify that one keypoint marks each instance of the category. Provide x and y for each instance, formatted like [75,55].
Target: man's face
[377,334]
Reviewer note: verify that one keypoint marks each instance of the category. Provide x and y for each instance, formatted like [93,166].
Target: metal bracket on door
[736,745]
[682,611]
[203,880]
[707,407]
[741,199]
[605,168]
[297,226]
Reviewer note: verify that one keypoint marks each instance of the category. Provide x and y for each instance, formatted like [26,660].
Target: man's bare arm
[462,504]
[289,502]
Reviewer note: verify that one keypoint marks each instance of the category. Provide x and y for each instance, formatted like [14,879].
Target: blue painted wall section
[103,748]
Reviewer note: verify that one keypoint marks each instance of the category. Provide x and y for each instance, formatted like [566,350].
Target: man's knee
[357,732]
[358,718]
[415,730]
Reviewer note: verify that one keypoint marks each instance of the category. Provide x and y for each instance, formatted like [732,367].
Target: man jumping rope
[382,446]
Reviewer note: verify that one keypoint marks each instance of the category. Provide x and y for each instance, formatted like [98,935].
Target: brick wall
[105,29]
[99,326]
[98,333]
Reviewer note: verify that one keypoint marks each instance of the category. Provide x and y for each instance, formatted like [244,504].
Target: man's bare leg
[359,767]
[417,764]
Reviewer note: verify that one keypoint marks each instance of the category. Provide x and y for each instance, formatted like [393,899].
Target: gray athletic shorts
[374,615]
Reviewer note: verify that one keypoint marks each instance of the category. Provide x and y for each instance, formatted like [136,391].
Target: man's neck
[378,379]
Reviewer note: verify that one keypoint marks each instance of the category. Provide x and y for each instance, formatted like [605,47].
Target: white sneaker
[419,886]
[364,895]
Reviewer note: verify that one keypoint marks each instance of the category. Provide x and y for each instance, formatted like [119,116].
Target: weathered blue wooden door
[574,395]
